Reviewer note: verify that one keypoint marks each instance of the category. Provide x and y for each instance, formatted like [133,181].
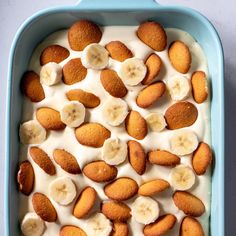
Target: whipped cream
[55,98]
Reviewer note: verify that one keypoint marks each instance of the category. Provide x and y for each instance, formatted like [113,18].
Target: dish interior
[50,21]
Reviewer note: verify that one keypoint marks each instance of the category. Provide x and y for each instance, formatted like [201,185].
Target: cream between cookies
[56,98]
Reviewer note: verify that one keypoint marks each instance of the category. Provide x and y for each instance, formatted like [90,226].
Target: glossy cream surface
[55,98]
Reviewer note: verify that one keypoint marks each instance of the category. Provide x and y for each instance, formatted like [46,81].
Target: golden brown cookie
[83,33]
[121,189]
[137,156]
[153,64]
[191,227]
[89,100]
[100,171]
[43,207]
[53,53]
[120,229]
[42,159]
[150,94]
[153,187]
[163,158]
[49,118]
[180,115]
[92,134]
[25,177]
[116,210]
[112,83]
[199,86]
[118,51]
[188,203]
[202,158]
[180,56]
[73,71]
[70,230]
[160,226]
[31,87]
[136,125]
[85,202]
[152,34]
[66,161]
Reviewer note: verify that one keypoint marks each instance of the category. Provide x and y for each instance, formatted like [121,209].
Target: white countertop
[221,13]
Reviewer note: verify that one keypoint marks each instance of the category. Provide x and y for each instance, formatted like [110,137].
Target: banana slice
[51,74]
[182,177]
[62,190]
[183,142]
[31,132]
[145,210]
[95,56]
[114,151]
[156,121]
[114,111]
[73,114]
[32,225]
[98,225]
[132,71]
[179,87]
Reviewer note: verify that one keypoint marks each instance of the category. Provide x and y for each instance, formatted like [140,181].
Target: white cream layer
[55,98]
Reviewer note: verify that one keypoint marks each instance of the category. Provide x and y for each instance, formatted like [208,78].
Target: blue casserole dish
[107,12]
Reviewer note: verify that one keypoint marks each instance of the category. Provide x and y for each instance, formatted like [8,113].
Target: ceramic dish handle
[118,4]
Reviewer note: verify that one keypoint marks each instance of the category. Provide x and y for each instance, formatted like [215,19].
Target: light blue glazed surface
[107,12]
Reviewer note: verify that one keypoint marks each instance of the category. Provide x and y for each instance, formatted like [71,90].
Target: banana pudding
[115,134]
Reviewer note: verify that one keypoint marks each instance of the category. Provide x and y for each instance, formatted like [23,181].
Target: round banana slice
[182,177]
[156,121]
[62,190]
[98,225]
[183,142]
[50,74]
[132,71]
[179,87]
[73,114]
[31,132]
[114,111]
[95,56]
[32,225]
[114,151]
[145,210]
